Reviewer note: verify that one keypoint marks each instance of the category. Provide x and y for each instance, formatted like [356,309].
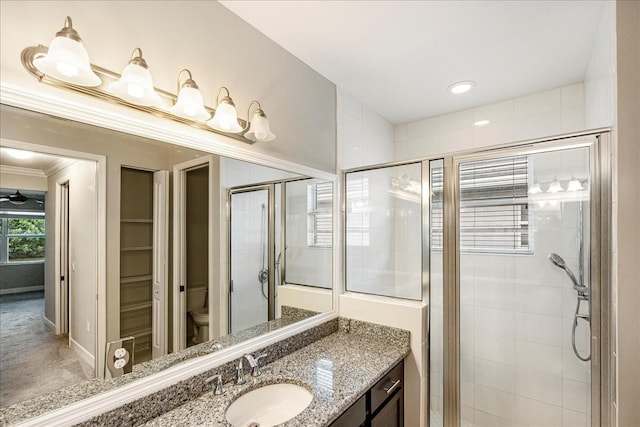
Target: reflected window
[358,210]
[22,239]
[319,214]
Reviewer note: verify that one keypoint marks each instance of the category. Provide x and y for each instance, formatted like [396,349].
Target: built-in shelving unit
[136,259]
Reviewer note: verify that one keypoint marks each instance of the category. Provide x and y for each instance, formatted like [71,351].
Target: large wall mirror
[202,252]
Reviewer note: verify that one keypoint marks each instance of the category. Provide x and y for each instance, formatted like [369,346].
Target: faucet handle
[255,372]
[218,389]
[240,373]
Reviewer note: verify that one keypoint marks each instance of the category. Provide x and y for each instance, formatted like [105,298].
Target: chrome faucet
[254,363]
[218,389]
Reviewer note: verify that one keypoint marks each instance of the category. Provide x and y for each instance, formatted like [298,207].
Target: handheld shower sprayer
[559,262]
[583,295]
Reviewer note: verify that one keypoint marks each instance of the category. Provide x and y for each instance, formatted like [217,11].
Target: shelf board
[133,307]
[134,279]
[136,221]
[136,248]
[137,333]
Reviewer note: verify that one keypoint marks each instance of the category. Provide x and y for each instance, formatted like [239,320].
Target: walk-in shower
[502,233]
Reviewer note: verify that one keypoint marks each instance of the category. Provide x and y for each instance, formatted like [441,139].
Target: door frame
[179,247]
[100,320]
[62,294]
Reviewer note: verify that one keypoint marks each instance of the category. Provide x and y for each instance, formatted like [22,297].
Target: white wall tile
[539,329]
[494,348]
[573,95]
[542,300]
[494,133]
[573,419]
[538,103]
[495,375]
[422,128]
[572,119]
[496,112]
[495,402]
[532,413]
[529,127]
[535,385]
[539,357]
[494,295]
[575,395]
[573,368]
[495,322]
[482,419]
[460,120]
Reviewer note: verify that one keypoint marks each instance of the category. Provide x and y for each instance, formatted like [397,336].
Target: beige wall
[218,47]
[627,235]
[23,182]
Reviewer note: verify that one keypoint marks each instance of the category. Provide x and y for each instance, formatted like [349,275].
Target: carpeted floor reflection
[33,361]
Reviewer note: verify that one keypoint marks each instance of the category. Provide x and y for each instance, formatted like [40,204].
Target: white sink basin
[268,405]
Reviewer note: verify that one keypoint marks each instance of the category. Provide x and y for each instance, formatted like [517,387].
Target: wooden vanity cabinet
[381,406]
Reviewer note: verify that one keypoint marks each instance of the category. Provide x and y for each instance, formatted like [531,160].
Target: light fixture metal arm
[246,126]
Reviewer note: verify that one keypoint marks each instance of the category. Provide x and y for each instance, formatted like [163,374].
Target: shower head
[557,260]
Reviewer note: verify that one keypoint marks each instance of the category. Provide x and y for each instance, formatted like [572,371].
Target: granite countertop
[338,369]
[73,393]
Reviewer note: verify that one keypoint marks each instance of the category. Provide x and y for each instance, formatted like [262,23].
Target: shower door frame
[601,387]
[271,245]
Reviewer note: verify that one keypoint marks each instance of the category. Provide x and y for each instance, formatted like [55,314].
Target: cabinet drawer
[387,386]
[355,416]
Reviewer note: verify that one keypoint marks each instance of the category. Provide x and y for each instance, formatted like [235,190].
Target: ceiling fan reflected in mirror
[18,198]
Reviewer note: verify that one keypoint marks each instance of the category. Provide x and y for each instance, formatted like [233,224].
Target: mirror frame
[119,118]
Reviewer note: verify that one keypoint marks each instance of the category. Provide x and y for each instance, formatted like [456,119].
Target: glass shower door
[250,240]
[523,248]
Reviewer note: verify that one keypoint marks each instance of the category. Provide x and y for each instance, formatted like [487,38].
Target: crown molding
[57,166]
[17,170]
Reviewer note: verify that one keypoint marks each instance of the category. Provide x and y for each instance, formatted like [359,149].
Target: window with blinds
[357,218]
[494,208]
[319,214]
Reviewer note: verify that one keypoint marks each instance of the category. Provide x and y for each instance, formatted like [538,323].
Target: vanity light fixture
[555,186]
[225,118]
[461,87]
[535,188]
[135,84]
[67,59]
[65,64]
[190,104]
[259,129]
[574,185]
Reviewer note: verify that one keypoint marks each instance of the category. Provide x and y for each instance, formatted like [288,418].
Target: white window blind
[319,210]
[357,218]
[494,209]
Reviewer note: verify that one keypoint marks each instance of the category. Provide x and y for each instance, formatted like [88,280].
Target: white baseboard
[82,352]
[21,290]
[49,324]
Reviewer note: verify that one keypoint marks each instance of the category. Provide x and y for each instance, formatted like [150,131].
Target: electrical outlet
[88,326]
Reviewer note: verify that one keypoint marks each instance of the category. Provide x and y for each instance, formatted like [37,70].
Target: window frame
[5,236]
[319,208]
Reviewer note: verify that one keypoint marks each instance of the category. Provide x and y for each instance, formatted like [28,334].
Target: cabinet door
[391,414]
[355,416]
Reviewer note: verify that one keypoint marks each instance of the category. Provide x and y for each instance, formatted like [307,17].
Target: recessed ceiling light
[481,123]
[19,154]
[461,87]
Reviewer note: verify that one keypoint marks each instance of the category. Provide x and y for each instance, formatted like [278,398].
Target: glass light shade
[68,60]
[259,129]
[555,187]
[535,188]
[574,185]
[136,86]
[190,105]
[225,118]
